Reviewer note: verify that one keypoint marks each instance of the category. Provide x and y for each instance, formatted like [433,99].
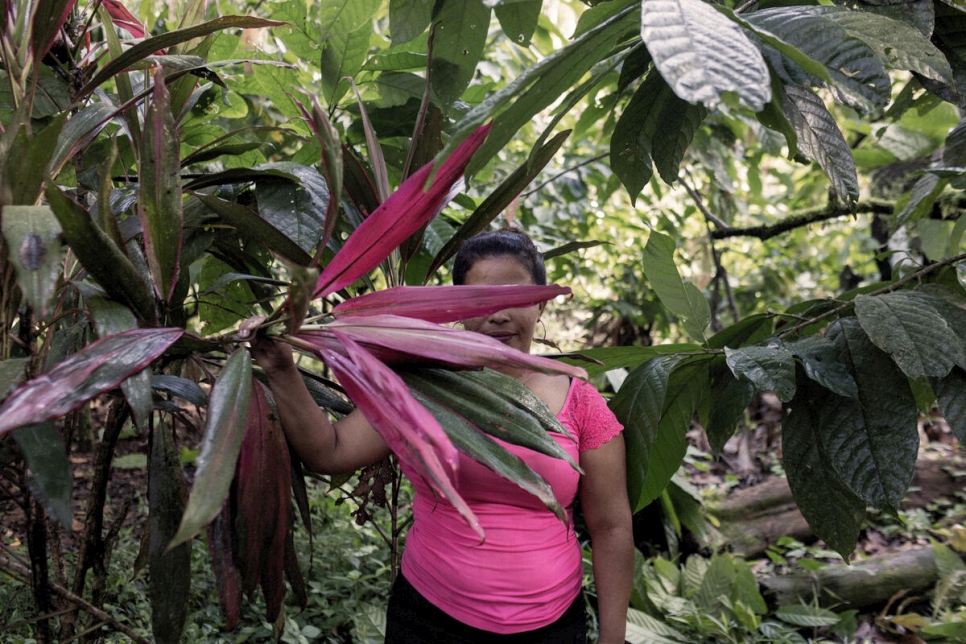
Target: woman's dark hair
[499,243]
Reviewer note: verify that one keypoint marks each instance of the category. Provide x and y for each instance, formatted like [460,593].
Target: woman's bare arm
[324,447]
[603,499]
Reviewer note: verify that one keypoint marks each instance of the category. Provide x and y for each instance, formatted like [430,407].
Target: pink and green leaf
[408,428]
[224,430]
[123,18]
[160,203]
[403,213]
[443,304]
[99,367]
[227,578]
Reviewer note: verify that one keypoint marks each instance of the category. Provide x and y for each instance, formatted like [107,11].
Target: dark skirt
[413,619]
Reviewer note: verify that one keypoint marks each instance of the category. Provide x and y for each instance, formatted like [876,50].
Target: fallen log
[863,584]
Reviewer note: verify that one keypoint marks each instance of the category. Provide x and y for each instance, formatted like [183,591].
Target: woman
[523,583]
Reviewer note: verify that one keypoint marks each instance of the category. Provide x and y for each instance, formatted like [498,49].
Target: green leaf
[50,476]
[702,54]
[684,300]
[461,28]
[608,358]
[79,130]
[32,234]
[248,222]
[27,182]
[343,54]
[897,43]
[716,584]
[101,256]
[807,616]
[644,629]
[519,19]
[918,202]
[12,373]
[111,318]
[294,208]
[639,405]
[169,570]
[488,452]
[493,403]
[97,368]
[159,205]
[824,365]
[872,443]
[181,387]
[408,19]
[951,399]
[730,398]
[149,46]
[908,328]
[858,77]
[820,139]
[770,368]
[656,125]
[224,431]
[831,509]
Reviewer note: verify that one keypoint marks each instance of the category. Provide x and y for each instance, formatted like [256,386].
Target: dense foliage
[172,184]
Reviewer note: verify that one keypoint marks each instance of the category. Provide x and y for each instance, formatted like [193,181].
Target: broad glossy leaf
[493,406]
[918,202]
[253,226]
[27,183]
[824,365]
[688,385]
[47,19]
[684,300]
[908,328]
[519,19]
[50,476]
[111,318]
[400,340]
[159,205]
[488,452]
[831,509]
[770,368]
[102,258]
[32,234]
[184,388]
[730,398]
[951,399]
[97,368]
[441,304]
[343,54]
[820,139]
[408,19]
[224,430]
[538,87]
[407,210]
[872,443]
[461,27]
[328,138]
[263,501]
[899,44]
[296,209]
[750,330]
[408,428]
[80,130]
[170,570]
[639,405]
[701,53]
[857,75]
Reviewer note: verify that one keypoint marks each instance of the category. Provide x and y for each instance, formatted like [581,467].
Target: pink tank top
[528,570]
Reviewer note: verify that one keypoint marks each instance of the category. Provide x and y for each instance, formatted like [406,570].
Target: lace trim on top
[588,417]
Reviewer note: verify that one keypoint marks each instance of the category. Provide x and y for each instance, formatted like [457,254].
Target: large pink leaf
[442,304]
[408,428]
[403,213]
[400,340]
[99,367]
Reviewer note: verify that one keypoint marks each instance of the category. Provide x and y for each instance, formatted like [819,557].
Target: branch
[895,286]
[806,217]
[565,171]
[24,571]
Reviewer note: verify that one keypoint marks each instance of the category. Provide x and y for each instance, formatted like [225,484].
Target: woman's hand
[272,356]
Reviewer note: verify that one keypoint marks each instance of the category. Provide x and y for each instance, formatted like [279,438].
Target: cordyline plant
[113,311]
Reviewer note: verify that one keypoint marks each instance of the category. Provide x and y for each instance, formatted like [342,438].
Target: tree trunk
[864,584]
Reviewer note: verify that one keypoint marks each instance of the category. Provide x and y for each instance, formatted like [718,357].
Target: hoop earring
[544,327]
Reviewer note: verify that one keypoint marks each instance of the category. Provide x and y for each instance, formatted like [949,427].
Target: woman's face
[513,327]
